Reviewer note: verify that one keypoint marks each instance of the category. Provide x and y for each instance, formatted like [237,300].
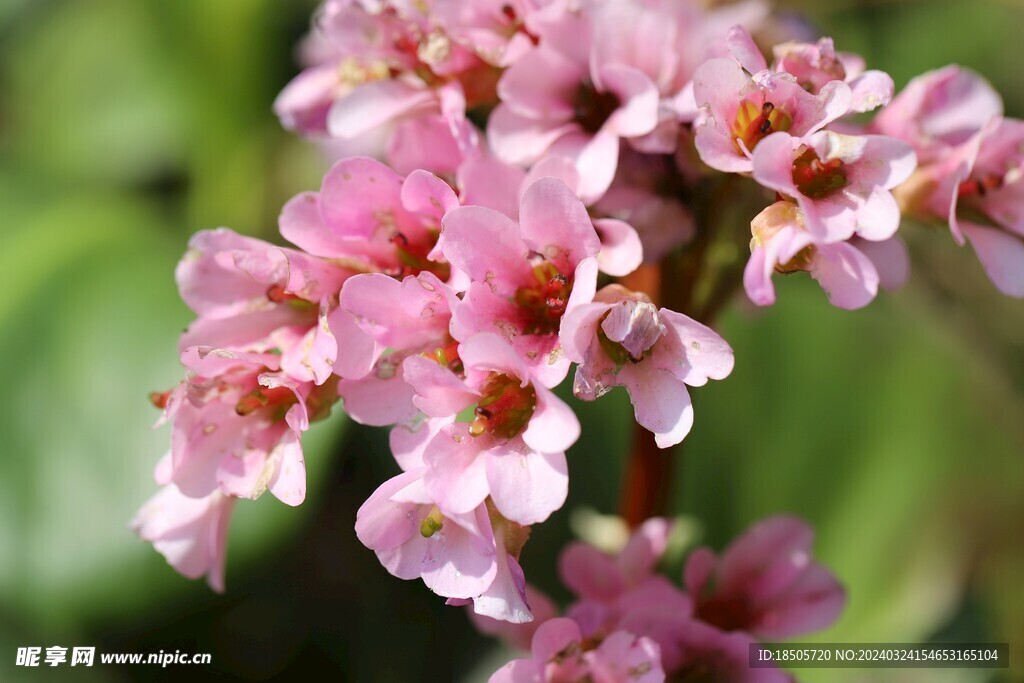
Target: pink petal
[717,150]
[553,637]
[556,225]
[644,549]
[302,224]
[890,258]
[456,477]
[871,90]
[1001,254]
[596,158]
[312,360]
[519,140]
[377,401]
[621,249]
[409,439]
[553,428]
[191,533]
[814,603]
[526,486]
[486,245]
[757,276]
[661,403]
[558,167]
[848,277]
[783,537]
[373,104]
[487,352]
[505,598]
[550,97]
[699,570]
[423,142]
[460,564]
[303,104]
[696,354]
[579,329]
[745,50]
[438,391]
[357,352]
[491,183]
[773,163]
[359,196]
[382,522]
[590,574]
[425,194]
[638,110]
[288,483]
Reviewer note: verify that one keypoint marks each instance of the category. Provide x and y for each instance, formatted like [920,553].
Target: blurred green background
[127,125]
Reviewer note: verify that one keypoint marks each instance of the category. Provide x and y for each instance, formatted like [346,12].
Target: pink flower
[978,189]
[497,31]
[524,277]
[377,63]
[454,554]
[191,533]
[559,653]
[743,107]
[708,654]
[598,88]
[840,182]
[254,296]
[816,65]
[595,575]
[995,189]
[782,244]
[623,592]
[238,426]
[369,217]
[392,320]
[621,339]
[765,583]
[514,449]
[938,111]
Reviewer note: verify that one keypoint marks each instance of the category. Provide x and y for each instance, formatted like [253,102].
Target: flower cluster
[541,158]
[630,623]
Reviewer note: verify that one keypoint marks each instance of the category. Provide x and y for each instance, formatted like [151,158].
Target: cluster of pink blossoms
[630,623]
[538,152]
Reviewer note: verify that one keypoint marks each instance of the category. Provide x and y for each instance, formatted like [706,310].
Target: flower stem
[699,286]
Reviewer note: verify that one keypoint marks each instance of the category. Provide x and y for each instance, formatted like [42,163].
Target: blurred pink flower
[765,583]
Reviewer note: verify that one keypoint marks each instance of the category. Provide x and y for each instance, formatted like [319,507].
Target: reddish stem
[648,472]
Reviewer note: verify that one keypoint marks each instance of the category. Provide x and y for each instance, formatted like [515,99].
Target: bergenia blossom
[841,182]
[622,339]
[524,277]
[558,194]
[745,102]
[514,448]
[765,583]
[560,653]
[848,271]
[816,65]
